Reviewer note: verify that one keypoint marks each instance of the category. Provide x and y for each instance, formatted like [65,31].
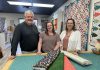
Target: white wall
[11,16]
[15,17]
[59,15]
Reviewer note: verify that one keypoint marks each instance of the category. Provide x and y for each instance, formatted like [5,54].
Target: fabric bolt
[78,59]
[58,64]
[68,65]
[47,60]
[95,59]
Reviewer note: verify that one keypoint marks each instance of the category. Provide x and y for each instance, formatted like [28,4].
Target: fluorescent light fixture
[43,5]
[30,4]
[19,3]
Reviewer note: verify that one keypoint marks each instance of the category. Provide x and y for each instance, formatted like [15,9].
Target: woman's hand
[75,53]
[39,52]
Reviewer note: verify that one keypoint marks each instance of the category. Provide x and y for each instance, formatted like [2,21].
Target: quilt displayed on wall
[2,23]
[95,34]
[79,10]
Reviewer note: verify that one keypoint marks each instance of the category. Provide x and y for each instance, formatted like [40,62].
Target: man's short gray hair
[28,11]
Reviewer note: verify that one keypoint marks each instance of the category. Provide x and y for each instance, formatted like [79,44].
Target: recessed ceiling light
[30,4]
[43,5]
[19,3]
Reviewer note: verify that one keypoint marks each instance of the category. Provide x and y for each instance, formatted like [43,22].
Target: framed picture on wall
[2,24]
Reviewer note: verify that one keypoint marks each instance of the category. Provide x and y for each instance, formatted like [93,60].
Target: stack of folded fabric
[77,59]
[44,63]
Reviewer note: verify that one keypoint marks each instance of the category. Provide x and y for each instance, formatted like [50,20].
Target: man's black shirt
[27,36]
